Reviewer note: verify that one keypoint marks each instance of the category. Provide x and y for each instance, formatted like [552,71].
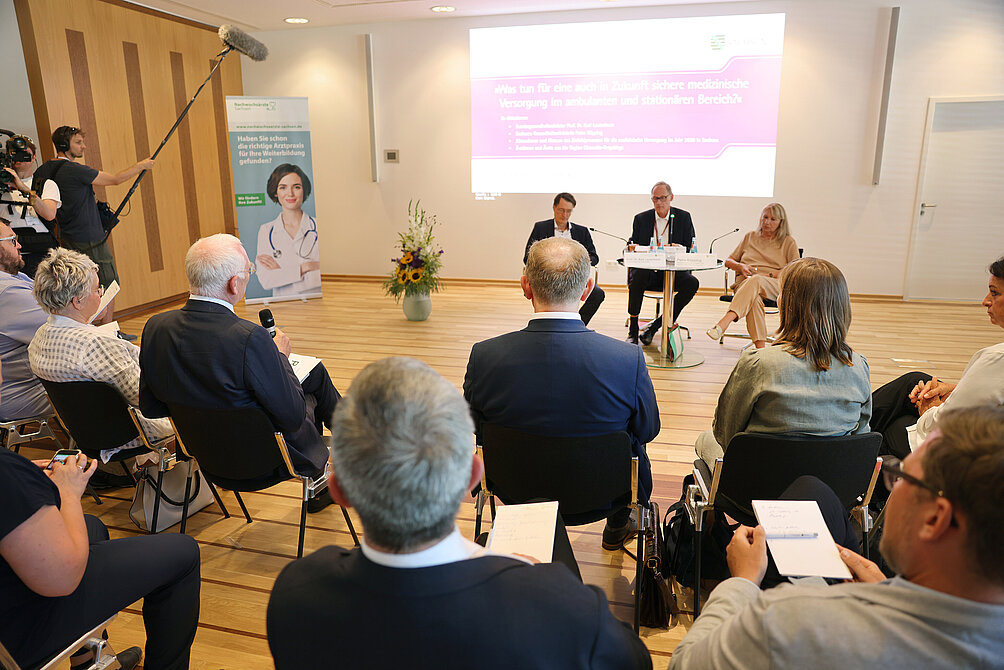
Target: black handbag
[678,545]
[657,602]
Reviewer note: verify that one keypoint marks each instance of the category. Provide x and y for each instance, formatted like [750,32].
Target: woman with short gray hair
[67,348]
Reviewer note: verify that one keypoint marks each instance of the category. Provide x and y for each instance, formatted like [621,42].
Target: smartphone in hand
[62,456]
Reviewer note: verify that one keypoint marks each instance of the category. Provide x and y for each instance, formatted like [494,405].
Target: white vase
[417,306]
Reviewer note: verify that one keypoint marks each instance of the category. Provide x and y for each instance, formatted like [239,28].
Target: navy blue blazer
[557,377]
[203,355]
[331,608]
[544,229]
[643,227]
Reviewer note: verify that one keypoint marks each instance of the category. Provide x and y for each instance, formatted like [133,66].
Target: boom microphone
[237,39]
[712,245]
[265,316]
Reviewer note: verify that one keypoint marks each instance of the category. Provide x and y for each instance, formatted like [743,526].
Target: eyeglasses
[250,271]
[100,290]
[892,472]
[10,238]
[659,198]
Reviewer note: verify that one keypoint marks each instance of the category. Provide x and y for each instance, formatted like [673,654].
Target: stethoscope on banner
[277,253]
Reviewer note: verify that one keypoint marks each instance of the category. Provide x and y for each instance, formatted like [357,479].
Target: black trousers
[836,517]
[591,304]
[319,387]
[893,413]
[685,284]
[163,570]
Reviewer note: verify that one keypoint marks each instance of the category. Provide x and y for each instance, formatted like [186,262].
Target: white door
[959,218]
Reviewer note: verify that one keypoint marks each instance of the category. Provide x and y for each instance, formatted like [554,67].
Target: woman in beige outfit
[757,262]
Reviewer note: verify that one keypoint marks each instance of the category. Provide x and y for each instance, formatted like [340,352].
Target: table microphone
[603,232]
[267,320]
[712,245]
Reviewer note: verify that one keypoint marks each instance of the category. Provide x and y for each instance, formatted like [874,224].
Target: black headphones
[61,138]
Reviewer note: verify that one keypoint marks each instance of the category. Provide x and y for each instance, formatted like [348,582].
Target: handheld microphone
[603,232]
[712,245]
[267,320]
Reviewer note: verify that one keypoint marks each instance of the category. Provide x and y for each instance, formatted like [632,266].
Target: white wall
[831,84]
[17,113]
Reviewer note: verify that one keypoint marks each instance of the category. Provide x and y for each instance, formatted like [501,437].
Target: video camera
[15,151]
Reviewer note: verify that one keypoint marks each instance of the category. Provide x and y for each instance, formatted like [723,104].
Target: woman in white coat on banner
[288,258]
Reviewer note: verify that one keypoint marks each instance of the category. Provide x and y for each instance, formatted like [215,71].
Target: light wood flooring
[354,324]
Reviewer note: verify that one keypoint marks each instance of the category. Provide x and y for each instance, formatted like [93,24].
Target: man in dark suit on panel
[557,377]
[560,226]
[664,225]
[402,457]
[203,355]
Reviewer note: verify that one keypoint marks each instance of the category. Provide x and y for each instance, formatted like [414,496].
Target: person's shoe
[632,338]
[319,501]
[129,658]
[614,538]
[715,333]
[128,337]
[648,334]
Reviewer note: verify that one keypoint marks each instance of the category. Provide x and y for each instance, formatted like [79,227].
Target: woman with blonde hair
[758,261]
[810,382]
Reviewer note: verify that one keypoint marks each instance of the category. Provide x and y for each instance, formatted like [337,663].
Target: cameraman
[79,221]
[33,208]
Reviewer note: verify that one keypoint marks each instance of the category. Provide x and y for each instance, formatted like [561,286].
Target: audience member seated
[906,409]
[402,456]
[557,377]
[67,348]
[758,261]
[203,355]
[60,575]
[20,317]
[944,529]
[810,382]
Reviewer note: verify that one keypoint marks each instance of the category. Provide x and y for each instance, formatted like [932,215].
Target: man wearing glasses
[203,355]
[663,226]
[79,222]
[20,317]
[944,530]
[38,200]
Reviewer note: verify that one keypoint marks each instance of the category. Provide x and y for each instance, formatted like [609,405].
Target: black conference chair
[760,467]
[588,476]
[239,450]
[97,417]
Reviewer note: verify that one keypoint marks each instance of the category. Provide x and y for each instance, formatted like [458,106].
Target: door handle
[924,206]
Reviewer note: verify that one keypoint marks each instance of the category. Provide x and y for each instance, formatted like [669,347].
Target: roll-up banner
[273,183]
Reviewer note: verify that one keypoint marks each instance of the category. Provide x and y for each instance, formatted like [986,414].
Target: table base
[655,359]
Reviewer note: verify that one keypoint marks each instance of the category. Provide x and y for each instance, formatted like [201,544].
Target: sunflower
[406,259]
[416,274]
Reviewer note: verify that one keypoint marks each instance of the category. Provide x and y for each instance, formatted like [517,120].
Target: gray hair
[402,448]
[62,276]
[558,270]
[658,184]
[211,262]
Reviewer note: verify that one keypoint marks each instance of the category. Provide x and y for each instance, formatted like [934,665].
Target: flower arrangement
[416,270]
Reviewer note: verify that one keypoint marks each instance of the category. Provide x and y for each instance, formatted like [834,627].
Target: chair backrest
[237,448]
[582,473]
[760,467]
[94,413]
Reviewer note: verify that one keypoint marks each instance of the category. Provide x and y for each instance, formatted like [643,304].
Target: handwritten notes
[798,539]
[524,529]
[302,365]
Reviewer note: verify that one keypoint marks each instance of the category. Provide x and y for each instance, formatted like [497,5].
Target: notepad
[110,292]
[524,529]
[302,365]
[799,540]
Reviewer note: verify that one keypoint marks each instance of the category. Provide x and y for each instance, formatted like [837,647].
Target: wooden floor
[355,324]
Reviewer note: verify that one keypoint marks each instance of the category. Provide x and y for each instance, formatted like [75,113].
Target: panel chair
[769,305]
[588,476]
[757,466]
[239,450]
[104,657]
[98,417]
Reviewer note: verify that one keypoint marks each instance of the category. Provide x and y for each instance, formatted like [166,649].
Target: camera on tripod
[15,151]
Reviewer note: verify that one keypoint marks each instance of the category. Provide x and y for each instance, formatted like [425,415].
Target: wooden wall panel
[131,107]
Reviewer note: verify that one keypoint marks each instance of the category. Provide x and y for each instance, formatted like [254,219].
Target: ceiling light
[443,8]
[295,19]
